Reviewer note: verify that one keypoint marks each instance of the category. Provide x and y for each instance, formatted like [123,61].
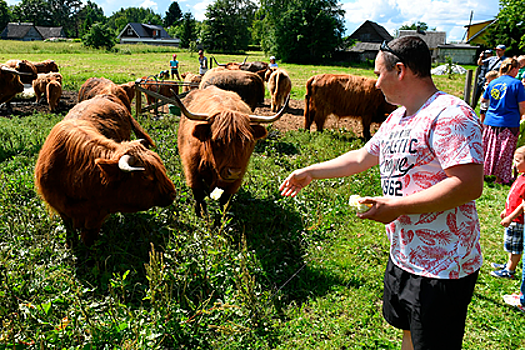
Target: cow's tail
[141,133]
[308,120]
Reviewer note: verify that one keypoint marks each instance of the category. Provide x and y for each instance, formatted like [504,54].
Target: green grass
[270,273]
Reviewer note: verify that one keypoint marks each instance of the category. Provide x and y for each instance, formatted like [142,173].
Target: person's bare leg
[514,260]
[407,341]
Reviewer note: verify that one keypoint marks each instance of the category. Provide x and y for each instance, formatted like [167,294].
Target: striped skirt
[499,144]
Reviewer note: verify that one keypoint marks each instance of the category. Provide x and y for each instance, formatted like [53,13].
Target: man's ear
[400,70]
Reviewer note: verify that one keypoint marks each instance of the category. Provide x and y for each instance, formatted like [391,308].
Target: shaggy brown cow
[247,84]
[160,87]
[40,83]
[53,93]
[254,66]
[129,88]
[216,140]
[344,95]
[26,67]
[10,83]
[102,86]
[191,78]
[85,177]
[279,85]
[107,114]
[46,66]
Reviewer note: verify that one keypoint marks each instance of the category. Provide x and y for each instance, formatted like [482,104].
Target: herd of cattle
[89,168]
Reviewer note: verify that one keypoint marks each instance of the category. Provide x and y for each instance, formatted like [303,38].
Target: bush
[99,36]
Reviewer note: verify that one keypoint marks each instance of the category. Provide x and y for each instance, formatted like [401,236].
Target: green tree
[414,26]
[301,31]
[90,14]
[227,27]
[118,20]
[187,30]
[99,36]
[509,27]
[173,15]
[5,14]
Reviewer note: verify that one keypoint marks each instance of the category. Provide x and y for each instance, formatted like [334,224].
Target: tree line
[294,30]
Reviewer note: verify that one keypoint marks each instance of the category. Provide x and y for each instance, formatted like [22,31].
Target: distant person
[272,62]
[174,65]
[483,63]
[487,64]
[506,96]
[512,220]
[521,73]
[203,63]
[484,106]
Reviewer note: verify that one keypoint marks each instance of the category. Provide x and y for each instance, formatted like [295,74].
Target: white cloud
[149,4]
[199,9]
[443,15]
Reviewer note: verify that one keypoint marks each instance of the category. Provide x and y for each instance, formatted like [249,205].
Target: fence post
[138,98]
[468,86]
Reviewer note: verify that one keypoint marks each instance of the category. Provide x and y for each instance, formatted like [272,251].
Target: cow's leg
[200,204]
[89,235]
[71,235]
[309,118]
[366,128]
[319,122]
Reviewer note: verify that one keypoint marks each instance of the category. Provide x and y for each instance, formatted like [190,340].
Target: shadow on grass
[276,235]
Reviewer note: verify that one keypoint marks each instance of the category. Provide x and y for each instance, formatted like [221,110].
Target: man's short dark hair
[412,51]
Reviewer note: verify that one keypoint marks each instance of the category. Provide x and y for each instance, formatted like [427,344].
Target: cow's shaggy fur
[279,85]
[344,95]
[78,176]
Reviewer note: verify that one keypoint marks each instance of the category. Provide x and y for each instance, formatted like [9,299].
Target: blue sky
[445,15]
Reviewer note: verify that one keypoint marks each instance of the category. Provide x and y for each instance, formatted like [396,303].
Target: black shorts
[433,310]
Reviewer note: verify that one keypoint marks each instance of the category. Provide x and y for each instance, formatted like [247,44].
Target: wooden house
[135,33]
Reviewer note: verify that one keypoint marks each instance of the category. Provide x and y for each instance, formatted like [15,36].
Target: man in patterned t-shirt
[430,156]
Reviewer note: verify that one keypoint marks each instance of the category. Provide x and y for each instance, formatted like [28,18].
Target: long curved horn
[184,110]
[123,164]
[13,71]
[243,62]
[272,118]
[217,63]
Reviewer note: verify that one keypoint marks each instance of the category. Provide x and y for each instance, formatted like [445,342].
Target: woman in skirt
[506,97]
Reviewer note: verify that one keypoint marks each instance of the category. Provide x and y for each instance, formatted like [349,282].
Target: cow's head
[229,137]
[140,176]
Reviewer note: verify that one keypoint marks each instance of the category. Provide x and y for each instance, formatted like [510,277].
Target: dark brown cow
[107,114]
[46,66]
[247,84]
[279,85]
[344,95]
[10,83]
[85,177]
[26,67]
[102,86]
[254,66]
[216,140]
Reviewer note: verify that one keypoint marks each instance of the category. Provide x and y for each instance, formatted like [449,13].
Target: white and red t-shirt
[515,197]
[413,152]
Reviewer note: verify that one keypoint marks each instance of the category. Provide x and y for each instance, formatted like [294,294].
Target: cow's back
[102,86]
[249,86]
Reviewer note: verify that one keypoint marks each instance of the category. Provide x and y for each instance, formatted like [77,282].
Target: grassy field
[270,273]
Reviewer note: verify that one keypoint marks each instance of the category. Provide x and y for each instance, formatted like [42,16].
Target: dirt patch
[26,107]
[293,119]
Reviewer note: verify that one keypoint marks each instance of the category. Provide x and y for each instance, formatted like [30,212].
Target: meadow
[268,273]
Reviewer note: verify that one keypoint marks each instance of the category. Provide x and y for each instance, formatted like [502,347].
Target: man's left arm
[463,184]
